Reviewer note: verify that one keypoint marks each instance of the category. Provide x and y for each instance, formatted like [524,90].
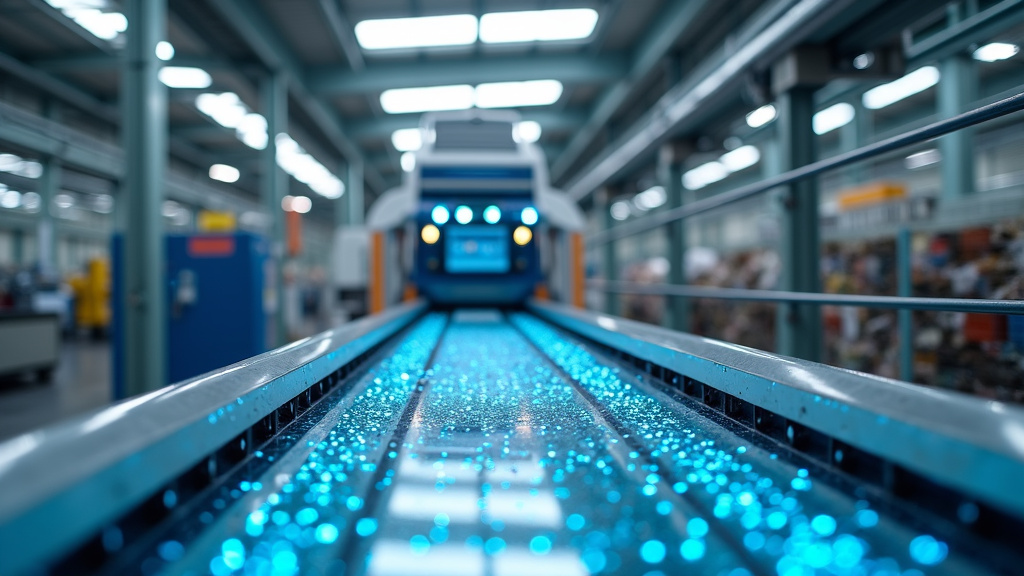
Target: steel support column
[852,136]
[798,325]
[670,173]
[144,130]
[956,92]
[602,207]
[905,288]
[354,194]
[274,186]
[46,238]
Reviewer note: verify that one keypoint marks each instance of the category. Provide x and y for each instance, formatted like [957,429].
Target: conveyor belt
[485,443]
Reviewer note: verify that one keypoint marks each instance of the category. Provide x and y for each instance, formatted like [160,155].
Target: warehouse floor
[80,383]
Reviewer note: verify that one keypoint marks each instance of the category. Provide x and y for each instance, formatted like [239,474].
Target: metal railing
[904,302]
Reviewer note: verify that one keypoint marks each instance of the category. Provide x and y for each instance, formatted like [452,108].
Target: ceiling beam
[93,62]
[255,28]
[675,21]
[383,127]
[570,69]
[59,17]
[341,33]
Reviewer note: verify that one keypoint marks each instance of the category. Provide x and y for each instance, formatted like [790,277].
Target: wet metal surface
[487,444]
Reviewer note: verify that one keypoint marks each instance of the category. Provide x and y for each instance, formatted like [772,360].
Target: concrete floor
[82,382]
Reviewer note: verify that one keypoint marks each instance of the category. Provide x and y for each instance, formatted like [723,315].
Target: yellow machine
[92,296]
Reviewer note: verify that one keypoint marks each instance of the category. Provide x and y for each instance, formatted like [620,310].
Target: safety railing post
[904,267]
[670,171]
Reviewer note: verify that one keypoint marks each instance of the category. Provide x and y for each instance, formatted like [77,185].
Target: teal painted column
[956,92]
[18,246]
[853,136]
[799,330]
[602,205]
[46,236]
[144,130]
[274,186]
[354,195]
[905,288]
[671,176]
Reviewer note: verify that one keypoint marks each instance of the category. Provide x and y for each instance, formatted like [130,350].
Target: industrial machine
[482,428]
[215,281]
[476,221]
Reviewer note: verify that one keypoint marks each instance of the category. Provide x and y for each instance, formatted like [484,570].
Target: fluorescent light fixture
[301,204]
[917,81]
[996,51]
[761,116]
[252,131]
[705,174]
[533,25]
[184,77]
[228,110]
[64,200]
[90,14]
[392,33]
[620,210]
[528,131]
[10,199]
[922,159]
[164,50]
[514,94]
[833,117]
[14,164]
[409,100]
[741,158]
[407,139]
[10,162]
[224,173]
[408,161]
[304,168]
[651,198]
[101,203]
[32,202]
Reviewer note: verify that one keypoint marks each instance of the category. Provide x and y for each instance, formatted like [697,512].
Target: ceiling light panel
[407,139]
[409,100]
[185,77]
[917,81]
[995,51]
[396,33]
[537,25]
[515,94]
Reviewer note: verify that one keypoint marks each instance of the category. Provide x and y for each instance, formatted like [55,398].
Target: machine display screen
[476,249]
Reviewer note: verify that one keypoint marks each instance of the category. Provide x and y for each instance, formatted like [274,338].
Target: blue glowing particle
[494,546]
[170,499]
[594,559]
[419,544]
[438,534]
[280,517]
[575,522]
[614,497]
[754,541]
[171,550]
[326,533]
[679,487]
[824,525]
[366,526]
[692,549]
[867,518]
[306,516]
[776,520]
[927,550]
[652,478]
[441,519]
[652,551]
[697,527]
[540,545]
[817,555]
[218,567]
[353,503]
[664,508]
[847,551]
[285,561]
[649,490]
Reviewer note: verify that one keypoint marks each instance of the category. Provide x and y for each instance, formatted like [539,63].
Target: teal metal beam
[677,20]
[274,186]
[259,33]
[354,208]
[110,62]
[570,69]
[670,173]
[46,244]
[73,27]
[383,127]
[955,94]
[602,205]
[145,144]
[798,330]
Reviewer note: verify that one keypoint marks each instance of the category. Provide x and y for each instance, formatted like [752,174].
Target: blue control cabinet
[215,311]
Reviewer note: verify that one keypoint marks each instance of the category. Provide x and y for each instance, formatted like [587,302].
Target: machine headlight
[430,234]
[529,216]
[492,214]
[439,215]
[463,214]
[522,235]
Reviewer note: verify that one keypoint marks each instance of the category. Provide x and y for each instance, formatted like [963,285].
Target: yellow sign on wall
[211,221]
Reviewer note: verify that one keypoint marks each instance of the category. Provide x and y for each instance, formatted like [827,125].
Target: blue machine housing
[218,318]
[477,262]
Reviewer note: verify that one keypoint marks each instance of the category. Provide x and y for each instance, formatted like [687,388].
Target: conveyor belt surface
[486,443]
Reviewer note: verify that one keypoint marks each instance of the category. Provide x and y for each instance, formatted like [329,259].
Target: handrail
[977,116]
[970,305]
